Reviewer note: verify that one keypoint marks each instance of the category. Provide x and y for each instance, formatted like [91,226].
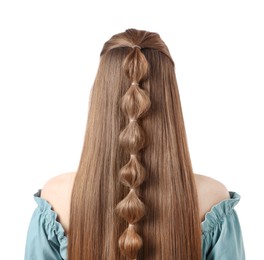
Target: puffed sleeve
[45,236]
[222,235]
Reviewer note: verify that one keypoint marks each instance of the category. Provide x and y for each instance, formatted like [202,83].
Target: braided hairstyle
[134,104]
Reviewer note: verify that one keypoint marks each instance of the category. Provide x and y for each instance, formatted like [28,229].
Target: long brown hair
[134,195]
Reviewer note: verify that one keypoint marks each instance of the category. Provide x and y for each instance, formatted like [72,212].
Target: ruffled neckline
[217,213]
[51,219]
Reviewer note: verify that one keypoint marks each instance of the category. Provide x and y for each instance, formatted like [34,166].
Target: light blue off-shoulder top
[221,233]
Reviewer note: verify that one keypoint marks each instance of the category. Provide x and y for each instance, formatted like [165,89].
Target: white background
[49,53]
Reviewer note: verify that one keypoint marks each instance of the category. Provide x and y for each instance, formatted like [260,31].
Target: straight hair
[134,194]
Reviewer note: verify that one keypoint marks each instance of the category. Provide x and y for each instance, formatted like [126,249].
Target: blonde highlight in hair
[134,195]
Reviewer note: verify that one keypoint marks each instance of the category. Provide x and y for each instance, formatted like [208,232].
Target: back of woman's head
[134,195]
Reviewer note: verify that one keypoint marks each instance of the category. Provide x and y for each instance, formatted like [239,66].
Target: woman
[134,195]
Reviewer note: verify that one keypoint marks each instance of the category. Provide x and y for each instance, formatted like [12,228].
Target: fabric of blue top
[221,233]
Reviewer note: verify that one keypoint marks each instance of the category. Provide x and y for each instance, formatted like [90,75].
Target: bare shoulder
[57,191]
[210,192]
[59,185]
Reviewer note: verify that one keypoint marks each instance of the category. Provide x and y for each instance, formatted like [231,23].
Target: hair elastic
[131,190]
[136,46]
[134,83]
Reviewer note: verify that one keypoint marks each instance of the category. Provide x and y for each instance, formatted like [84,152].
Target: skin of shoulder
[210,192]
[57,191]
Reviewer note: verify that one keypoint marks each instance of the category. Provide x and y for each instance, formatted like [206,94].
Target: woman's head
[136,38]
[134,194]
